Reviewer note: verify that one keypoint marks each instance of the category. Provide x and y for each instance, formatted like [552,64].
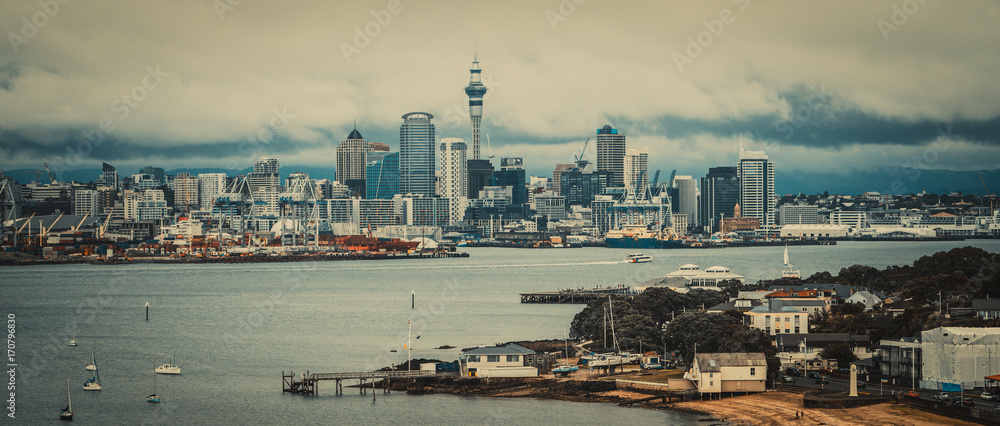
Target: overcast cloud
[822,86]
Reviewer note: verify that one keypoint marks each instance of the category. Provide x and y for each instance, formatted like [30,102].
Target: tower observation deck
[476,91]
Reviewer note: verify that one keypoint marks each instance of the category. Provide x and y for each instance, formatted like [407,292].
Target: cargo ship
[641,237]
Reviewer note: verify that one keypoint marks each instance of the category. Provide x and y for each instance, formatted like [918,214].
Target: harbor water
[233,329]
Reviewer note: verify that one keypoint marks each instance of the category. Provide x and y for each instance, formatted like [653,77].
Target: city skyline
[854,103]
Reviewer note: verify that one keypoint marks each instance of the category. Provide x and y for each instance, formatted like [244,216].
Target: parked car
[987,396]
[792,371]
[823,379]
[861,384]
[844,370]
[812,375]
[912,394]
[787,379]
[943,396]
[967,402]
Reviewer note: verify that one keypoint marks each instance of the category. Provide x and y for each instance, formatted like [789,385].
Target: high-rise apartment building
[86,201]
[382,180]
[186,192]
[265,175]
[416,154]
[454,176]
[611,154]
[757,198]
[210,185]
[476,91]
[720,191]
[636,170]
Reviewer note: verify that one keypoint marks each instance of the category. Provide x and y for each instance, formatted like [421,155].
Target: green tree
[841,352]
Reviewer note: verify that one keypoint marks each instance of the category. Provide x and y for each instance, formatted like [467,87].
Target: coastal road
[875,389]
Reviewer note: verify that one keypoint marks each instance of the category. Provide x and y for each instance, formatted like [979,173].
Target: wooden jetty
[585,295]
[307,383]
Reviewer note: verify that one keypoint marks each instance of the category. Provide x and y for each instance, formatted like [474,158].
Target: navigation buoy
[147,311]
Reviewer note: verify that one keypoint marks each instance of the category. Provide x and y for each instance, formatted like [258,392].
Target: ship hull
[641,243]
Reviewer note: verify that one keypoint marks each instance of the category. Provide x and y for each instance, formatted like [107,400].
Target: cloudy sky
[837,89]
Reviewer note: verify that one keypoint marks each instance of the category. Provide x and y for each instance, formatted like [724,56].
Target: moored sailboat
[93,362]
[67,413]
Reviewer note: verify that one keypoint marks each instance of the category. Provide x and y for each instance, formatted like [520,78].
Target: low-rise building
[510,360]
[900,360]
[775,318]
[728,372]
[986,308]
[959,357]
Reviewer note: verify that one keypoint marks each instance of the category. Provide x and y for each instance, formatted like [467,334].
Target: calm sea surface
[235,328]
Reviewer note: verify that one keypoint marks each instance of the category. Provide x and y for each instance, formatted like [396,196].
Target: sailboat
[154,397]
[72,341]
[790,270]
[607,360]
[170,368]
[94,383]
[67,413]
[93,362]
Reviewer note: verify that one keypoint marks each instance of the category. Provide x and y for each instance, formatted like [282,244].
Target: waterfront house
[728,372]
[510,360]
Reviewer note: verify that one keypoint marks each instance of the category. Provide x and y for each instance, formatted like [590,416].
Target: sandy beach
[780,408]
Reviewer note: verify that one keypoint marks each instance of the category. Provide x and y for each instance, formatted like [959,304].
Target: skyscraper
[480,176]
[636,170]
[720,191]
[351,162]
[109,176]
[416,154]
[611,154]
[756,176]
[454,176]
[476,91]
[687,197]
[512,174]
[351,157]
[382,180]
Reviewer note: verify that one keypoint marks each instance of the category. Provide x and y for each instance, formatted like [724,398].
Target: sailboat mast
[611,311]
[69,400]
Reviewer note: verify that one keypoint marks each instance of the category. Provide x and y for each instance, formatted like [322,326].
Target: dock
[308,383]
[582,295]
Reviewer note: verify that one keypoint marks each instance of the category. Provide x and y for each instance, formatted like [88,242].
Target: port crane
[580,162]
[38,175]
[52,176]
[989,194]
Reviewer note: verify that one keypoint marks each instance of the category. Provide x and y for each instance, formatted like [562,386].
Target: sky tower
[475,90]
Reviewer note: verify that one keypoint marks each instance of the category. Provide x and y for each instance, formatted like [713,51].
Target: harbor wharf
[581,295]
[307,383]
